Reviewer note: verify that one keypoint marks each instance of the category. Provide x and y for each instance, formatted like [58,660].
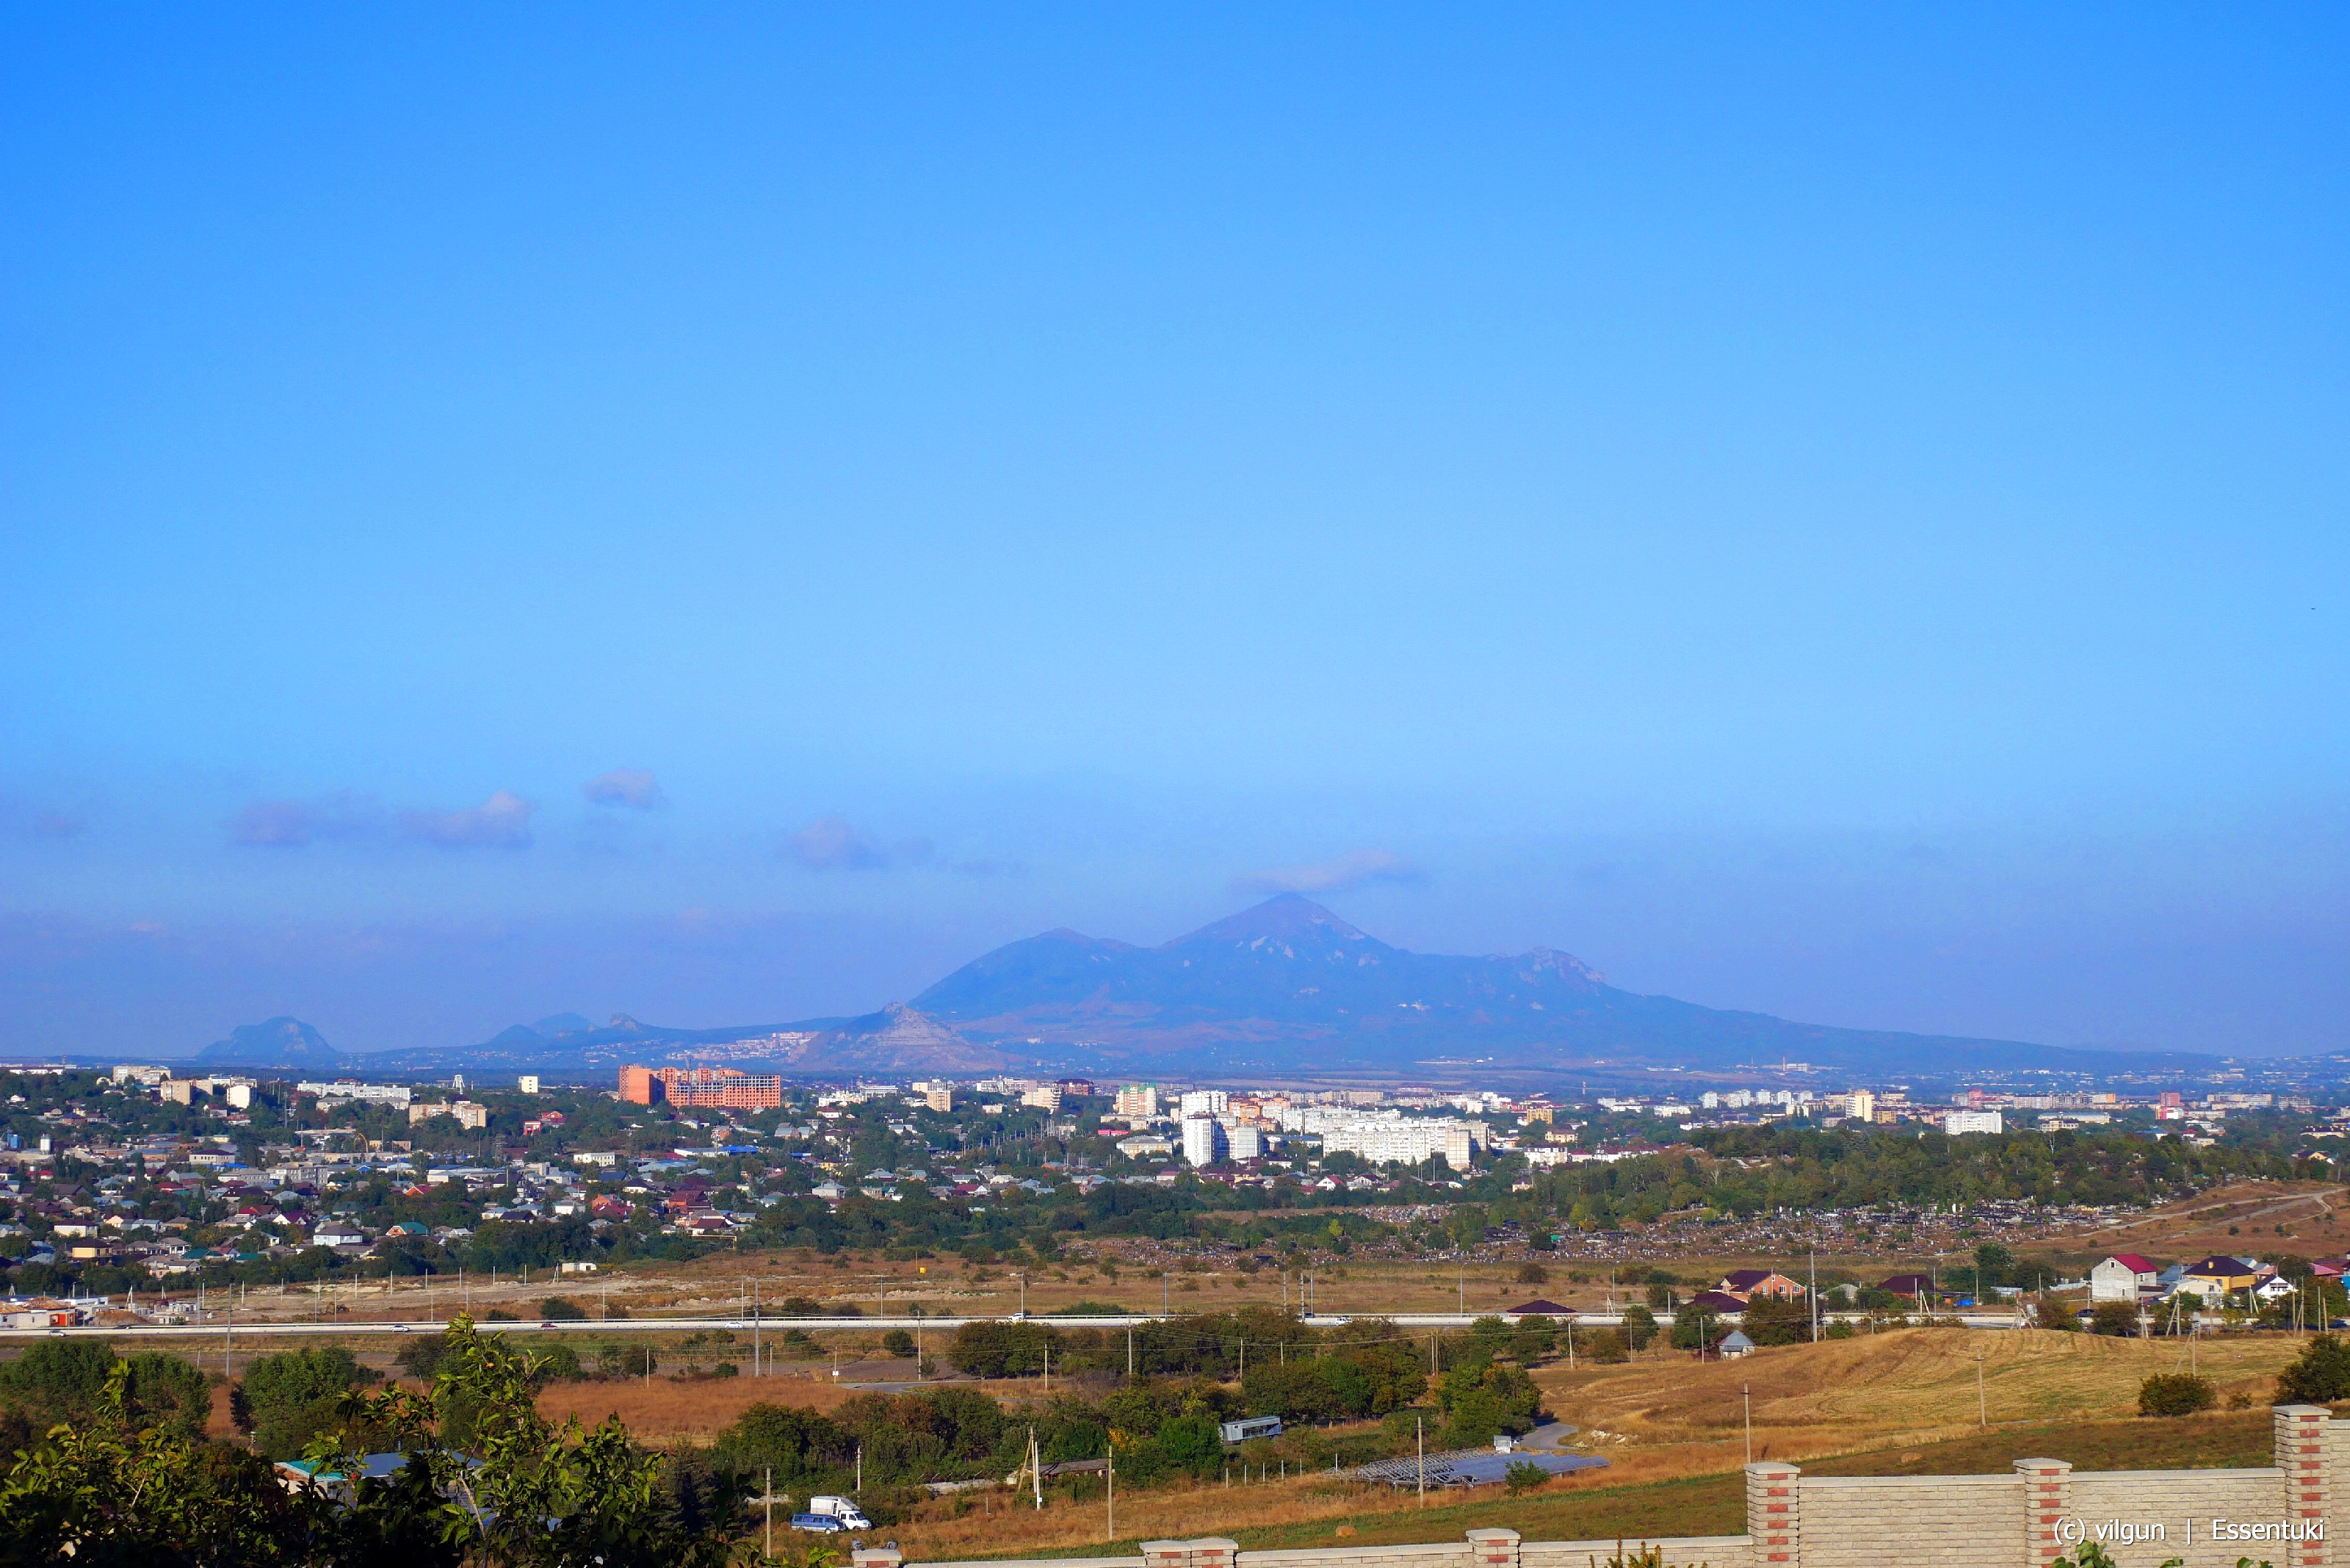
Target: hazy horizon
[726,517]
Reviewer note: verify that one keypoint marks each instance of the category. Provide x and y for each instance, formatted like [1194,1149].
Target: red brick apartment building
[719,1088]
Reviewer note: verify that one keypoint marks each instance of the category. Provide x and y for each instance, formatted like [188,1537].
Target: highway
[217,1327]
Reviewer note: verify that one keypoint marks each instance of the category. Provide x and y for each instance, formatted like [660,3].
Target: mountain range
[1286,988]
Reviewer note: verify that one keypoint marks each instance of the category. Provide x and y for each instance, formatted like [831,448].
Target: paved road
[218,1327]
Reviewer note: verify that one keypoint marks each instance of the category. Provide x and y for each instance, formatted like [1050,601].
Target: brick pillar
[2300,1455]
[1493,1549]
[1213,1551]
[1774,1515]
[2047,1499]
[1166,1554]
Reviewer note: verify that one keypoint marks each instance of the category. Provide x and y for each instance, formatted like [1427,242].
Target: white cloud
[633,787]
[831,844]
[501,821]
[1340,873]
[291,823]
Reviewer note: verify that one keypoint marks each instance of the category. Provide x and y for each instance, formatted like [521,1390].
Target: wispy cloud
[1340,873]
[832,844]
[291,823]
[501,821]
[635,788]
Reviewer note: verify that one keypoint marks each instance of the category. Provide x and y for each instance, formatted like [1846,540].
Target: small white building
[1958,1123]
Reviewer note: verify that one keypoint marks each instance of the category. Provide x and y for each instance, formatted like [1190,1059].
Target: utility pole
[1983,1401]
[1129,1350]
[1813,1290]
[767,1498]
[1113,1493]
[1746,1394]
[1420,1432]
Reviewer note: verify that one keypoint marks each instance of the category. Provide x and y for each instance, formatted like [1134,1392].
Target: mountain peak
[273,1042]
[1284,917]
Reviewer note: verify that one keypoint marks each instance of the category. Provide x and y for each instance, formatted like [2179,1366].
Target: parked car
[822,1523]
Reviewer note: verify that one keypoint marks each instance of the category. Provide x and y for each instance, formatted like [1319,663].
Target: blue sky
[725,514]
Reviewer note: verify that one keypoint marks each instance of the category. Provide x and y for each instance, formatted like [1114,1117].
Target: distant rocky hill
[1286,988]
[1289,985]
[274,1042]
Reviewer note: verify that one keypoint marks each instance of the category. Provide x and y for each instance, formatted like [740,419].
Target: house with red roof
[2124,1277]
[1748,1283]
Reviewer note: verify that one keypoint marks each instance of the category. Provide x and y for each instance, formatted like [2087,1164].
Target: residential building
[2122,1277]
[1958,1123]
[1748,1283]
[2219,1273]
[1860,1106]
[467,1114]
[939,1098]
[526,1083]
[1204,1142]
[1245,1140]
[1204,1103]
[396,1095]
[1045,1097]
[1407,1141]
[1138,1101]
[714,1088]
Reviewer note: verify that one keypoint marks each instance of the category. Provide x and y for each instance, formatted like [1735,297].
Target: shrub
[2320,1376]
[2174,1394]
[898,1342]
[1532,1275]
[562,1309]
[1639,1326]
[1525,1475]
[2118,1319]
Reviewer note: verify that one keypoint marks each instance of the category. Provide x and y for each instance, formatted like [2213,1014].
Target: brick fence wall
[2042,1510]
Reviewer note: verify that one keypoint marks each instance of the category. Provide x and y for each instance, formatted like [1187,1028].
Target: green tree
[2320,1374]
[286,1400]
[1191,1442]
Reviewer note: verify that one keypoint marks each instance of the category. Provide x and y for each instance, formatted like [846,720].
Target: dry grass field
[1899,1403]
[1910,1385]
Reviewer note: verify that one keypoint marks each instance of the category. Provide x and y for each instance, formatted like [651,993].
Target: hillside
[1256,989]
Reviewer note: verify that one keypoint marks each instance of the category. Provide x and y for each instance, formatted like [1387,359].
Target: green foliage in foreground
[2320,1376]
[121,1487]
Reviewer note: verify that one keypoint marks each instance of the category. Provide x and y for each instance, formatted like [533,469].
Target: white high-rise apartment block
[395,1095]
[239,1096]
[1045,1097]
[1860,1106]
[526,1083]
[939,1098]
[1958,1122]
[1139,1100]
[1205,1102]
[1407,1142]
[1246,1140]
[1203,1140]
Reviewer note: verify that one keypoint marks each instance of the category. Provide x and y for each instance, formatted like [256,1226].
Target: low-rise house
[1916,1287]
[2219,1273]
[1748,1283]
[2123,1277]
